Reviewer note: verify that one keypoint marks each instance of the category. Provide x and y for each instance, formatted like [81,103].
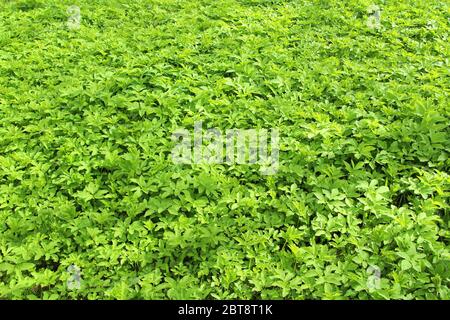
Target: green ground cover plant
[88,191]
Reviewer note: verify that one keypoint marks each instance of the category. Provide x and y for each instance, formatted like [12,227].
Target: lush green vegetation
[86,178]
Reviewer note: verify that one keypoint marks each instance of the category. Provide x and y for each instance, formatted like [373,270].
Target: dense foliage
[86,178]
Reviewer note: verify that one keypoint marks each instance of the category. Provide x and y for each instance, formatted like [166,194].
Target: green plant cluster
[86,177]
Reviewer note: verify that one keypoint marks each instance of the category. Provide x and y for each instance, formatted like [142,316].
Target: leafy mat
[87,183]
